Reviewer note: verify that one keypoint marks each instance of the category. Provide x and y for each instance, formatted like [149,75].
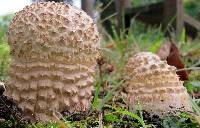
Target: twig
[107,5]
[114,14]
[100,120]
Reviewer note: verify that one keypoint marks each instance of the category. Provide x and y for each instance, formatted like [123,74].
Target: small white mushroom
[155,85]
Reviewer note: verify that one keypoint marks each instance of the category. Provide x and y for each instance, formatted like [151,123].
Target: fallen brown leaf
[174,59]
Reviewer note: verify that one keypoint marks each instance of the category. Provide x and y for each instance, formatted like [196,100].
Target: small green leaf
[113,118]
[189,87]
[125,112]
[170,122]
[156,46]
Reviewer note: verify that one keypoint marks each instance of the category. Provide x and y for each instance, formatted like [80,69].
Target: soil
[92,119]
[10,111]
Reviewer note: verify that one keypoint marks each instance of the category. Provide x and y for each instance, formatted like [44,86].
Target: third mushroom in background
[155,85]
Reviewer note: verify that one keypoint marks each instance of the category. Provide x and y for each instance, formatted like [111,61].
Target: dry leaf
[174,59]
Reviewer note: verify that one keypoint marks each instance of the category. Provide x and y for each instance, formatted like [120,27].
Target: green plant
[4,48]
[192,7]
[147,38]
[113,116]
[183,120]
[4,60]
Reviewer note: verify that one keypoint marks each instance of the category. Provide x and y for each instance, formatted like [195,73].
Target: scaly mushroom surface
[155,85]
[54,47]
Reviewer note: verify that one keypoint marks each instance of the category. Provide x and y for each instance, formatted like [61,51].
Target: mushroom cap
[54,47]
[42,30]
[155,85]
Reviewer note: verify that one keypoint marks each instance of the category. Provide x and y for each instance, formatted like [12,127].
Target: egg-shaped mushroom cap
[42,30]
[54,47]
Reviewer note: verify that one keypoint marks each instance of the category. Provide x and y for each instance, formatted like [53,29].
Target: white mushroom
[54,48]
[155,85]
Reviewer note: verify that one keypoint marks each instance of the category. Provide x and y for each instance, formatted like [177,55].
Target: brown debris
[174,59]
